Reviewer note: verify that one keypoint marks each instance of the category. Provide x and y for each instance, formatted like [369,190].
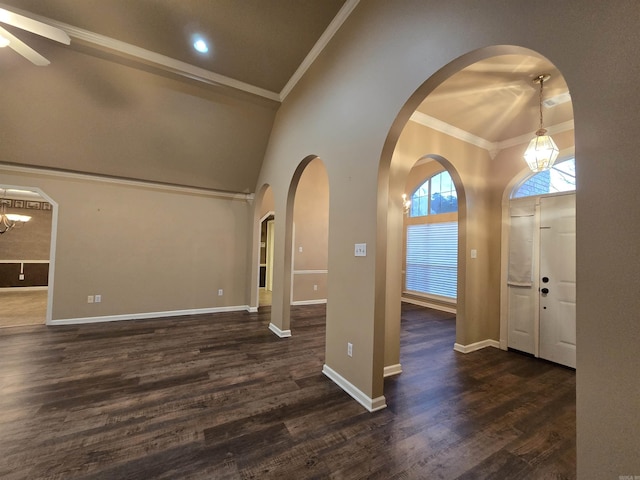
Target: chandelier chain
[540,100]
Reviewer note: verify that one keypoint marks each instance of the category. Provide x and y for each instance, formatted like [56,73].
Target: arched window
[431,262]
[436,195]
[559,178]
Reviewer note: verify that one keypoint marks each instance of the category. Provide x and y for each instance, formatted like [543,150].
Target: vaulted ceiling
[257,47]
[258,42]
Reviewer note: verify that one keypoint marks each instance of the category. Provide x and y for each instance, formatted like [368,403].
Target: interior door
[558,279]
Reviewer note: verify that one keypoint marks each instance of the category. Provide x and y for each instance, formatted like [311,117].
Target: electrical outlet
[315,288]
[220,292]
[21,277]
[90,299]
[300,249]
[350,349]
[97,298]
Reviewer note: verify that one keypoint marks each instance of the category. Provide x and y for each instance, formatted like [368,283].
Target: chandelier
[406,204]
[542,150]
[9,221]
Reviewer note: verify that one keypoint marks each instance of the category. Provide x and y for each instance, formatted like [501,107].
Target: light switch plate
[361,250]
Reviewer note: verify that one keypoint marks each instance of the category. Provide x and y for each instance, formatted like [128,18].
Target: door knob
[545,279]
[544,291]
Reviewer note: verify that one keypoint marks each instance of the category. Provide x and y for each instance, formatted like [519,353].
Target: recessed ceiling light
[200,45]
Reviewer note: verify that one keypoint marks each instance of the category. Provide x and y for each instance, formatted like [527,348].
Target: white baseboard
[23,289]
[252,309]
[309,302]
[371,404]
[144,316]
[278,332]
[426,303]
[476,346]
[392,370]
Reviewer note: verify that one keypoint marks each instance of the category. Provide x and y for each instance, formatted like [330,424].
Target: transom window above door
[436,195]
[559,178]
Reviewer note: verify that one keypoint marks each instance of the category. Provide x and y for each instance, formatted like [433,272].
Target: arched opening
[306,212]
[310,235]
[477,113]
[27,261]
[283,289]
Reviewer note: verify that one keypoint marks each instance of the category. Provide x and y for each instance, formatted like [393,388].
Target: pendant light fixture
[10,220]
[542,150]
[406,204]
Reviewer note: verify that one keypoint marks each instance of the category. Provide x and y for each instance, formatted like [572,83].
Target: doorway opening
[266,247]
[27,258]
[540,271]
[478,113]
[265,282]
[310,236]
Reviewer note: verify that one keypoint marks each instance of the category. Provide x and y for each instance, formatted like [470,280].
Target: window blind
[432,259]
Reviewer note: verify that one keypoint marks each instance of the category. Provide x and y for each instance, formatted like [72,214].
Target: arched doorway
[304,277]
[484,145]
[310,234]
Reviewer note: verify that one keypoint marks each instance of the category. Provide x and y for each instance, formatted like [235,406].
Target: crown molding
[188,70]
[551,130]
[322,42]
[163,62]
[148,57]
[206,192]
[443,127]
[492,147]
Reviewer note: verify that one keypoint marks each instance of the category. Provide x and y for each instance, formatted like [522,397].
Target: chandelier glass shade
[406,204]
[542,151]
[9,221]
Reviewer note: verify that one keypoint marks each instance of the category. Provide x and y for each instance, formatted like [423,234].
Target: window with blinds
[432,259]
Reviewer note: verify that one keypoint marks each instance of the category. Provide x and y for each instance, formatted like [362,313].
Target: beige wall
[82,113]
[311,234]
[85,113]
[350,109]
[477,316]
[267,204]
[144,249]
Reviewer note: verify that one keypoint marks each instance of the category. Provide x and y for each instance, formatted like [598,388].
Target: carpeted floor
[22,307]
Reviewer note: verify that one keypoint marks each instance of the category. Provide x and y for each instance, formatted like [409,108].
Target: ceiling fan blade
[34,26]
[23,49]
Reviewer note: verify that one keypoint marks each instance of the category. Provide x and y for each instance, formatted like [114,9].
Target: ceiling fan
[33,26]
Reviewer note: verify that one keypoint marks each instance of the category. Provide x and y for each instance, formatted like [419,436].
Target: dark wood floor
[220,396]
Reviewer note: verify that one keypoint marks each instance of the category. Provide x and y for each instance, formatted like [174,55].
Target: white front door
[557,279]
